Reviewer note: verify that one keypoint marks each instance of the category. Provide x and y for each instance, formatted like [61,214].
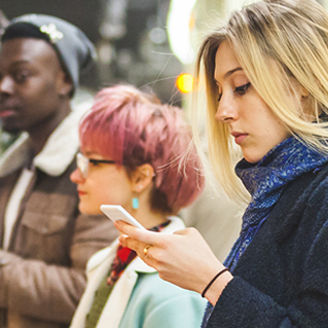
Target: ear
[304,92]
[299,89]
[64,84]
[142,177]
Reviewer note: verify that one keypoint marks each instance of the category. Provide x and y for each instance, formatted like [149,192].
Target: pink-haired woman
[132,150]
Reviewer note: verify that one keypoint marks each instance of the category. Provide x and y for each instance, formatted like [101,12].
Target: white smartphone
[117,212]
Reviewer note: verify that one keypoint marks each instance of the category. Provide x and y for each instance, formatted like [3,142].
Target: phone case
[117,212]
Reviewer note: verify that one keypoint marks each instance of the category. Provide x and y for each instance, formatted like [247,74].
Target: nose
[226,109]
[6,85]
[77,177]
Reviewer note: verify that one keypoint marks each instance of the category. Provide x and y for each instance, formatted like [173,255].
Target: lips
[8,108]
[81,193]
[239,137]
[7,113]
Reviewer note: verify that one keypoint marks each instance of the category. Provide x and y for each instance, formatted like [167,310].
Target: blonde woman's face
[251,122]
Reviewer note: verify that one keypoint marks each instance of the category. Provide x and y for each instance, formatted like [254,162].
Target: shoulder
[314,191]
[303,205]
[157,293]
[157,303]
[151,285]
[309,186]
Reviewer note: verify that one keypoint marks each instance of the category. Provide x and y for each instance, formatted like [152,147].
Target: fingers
[185,231]
[144,236]
[143,250]
[131,243]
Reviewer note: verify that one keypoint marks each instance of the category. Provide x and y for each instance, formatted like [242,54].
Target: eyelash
[94,163]
[241,90]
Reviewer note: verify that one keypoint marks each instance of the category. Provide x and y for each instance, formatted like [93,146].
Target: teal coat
[157,303]
[139,299]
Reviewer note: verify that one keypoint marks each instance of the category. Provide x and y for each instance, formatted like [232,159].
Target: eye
[21,76]
[94,162]
[219,93]
[242,89]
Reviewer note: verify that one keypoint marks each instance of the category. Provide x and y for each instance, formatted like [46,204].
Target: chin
[12,129]
[88,210]
[252,158]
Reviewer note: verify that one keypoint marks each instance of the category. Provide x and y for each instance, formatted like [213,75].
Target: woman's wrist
[214,291]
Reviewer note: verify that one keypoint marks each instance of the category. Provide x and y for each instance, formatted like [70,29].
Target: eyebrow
[20,62]
[227,74]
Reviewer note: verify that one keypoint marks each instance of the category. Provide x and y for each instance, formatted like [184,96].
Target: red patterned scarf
[124,257]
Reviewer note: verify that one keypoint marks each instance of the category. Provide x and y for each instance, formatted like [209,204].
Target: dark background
[130,36]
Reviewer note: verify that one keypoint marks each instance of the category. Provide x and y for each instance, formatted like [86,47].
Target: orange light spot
[185,83]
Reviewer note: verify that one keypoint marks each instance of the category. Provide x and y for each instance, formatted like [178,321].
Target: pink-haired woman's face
[105,183]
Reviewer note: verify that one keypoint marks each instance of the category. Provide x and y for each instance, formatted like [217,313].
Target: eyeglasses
[82,162]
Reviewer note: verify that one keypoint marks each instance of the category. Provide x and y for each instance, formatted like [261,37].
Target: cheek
[276,131]
[105,186]
[269,135]
[118,195]
[114,188]
[46,88]
[89,205]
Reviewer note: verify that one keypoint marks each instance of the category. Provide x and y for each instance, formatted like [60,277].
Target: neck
[149,218]
[40,133]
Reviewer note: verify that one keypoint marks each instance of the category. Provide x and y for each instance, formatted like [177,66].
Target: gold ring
[145,250]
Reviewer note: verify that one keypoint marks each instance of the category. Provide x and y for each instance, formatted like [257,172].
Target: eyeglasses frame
[82,163]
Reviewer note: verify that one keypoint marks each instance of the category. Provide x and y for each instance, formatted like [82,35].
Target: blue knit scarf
[265,181]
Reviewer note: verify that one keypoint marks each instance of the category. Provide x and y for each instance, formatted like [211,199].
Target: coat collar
[56,155]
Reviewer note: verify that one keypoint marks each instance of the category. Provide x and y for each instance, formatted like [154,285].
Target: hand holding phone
[117,212]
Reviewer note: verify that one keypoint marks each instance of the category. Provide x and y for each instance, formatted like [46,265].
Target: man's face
[31,84]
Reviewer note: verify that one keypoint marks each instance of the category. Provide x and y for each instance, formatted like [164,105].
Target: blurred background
[148,43]
[144,42]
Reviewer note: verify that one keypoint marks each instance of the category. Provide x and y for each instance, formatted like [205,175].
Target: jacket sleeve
[28,285]
[243,305]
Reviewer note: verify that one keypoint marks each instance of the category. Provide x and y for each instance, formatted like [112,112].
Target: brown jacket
[42,273]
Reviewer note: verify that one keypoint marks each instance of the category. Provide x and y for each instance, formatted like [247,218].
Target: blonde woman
[267,87]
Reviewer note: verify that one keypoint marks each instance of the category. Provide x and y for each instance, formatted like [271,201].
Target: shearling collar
[56,155]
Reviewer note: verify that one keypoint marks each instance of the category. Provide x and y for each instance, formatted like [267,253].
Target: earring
[135,203]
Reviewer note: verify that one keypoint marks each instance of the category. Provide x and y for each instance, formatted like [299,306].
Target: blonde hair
[281,45]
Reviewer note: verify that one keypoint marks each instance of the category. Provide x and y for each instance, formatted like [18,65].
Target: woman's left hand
[182,258]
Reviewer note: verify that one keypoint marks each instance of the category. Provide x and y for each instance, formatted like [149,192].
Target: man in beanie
[44,243]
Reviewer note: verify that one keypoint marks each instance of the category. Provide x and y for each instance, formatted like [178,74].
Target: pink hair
[134,128]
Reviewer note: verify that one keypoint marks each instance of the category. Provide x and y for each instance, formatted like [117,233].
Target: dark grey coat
[282,278]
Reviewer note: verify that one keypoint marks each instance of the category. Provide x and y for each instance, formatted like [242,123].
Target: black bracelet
[211,282]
